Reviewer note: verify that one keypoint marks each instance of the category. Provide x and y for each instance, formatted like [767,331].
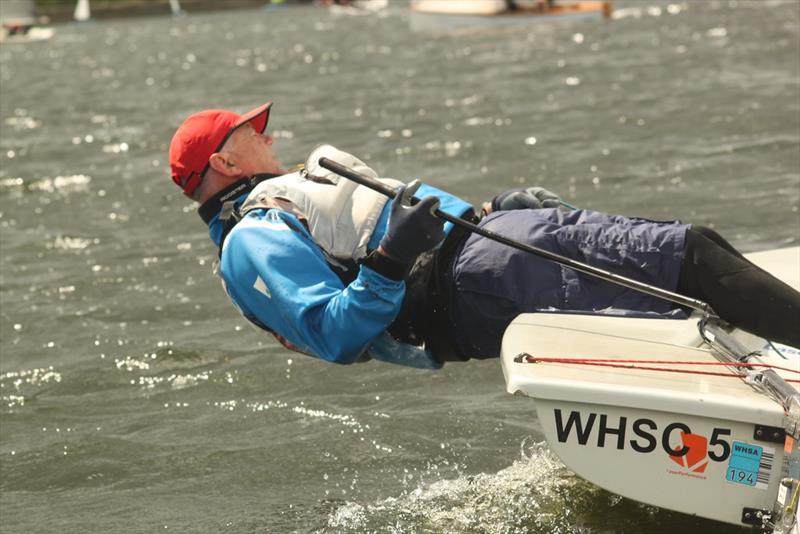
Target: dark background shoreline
[61,11]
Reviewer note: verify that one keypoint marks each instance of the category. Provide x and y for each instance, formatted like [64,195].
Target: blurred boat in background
[355,7]
[19,24]
[427,15]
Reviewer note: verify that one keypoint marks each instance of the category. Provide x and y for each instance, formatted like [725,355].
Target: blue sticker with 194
[749,465]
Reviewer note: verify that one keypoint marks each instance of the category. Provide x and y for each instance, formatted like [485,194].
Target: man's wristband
[386,266]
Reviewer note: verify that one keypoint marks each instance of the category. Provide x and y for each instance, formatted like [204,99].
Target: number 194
[743,477]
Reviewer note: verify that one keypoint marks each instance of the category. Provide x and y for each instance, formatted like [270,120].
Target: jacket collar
[213,205]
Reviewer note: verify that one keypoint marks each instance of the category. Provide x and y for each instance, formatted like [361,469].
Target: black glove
[412,229]
[525,198]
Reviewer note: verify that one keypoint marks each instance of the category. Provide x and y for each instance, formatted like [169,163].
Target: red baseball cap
[203,134]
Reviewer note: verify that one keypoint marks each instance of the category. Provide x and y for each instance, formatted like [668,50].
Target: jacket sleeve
[275,273]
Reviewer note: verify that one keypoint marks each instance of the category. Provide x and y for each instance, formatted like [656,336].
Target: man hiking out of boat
[335,270]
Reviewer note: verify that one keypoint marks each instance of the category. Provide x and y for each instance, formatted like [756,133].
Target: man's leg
[490,283]
[740,292]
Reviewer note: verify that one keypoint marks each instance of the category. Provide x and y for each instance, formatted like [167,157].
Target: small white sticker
[261,287]
[783,491]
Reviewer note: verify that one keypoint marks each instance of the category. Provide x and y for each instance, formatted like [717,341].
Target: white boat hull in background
[19,23]
[619,427]
[359,7]
[446,15]
[33,35]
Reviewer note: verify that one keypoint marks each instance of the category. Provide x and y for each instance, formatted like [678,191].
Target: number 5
[715,440]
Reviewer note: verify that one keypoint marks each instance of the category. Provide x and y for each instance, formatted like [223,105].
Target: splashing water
[534,494]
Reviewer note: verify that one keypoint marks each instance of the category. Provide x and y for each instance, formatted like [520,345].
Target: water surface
[136,399]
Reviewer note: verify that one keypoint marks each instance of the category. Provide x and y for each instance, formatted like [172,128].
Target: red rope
[660,362]
[614,363]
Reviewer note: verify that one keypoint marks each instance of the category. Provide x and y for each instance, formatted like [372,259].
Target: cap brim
[258,118]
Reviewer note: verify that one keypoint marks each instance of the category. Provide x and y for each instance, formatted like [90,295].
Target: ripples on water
[134,399]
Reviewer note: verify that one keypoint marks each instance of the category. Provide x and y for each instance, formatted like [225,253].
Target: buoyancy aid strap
[229,211]
[345,268]
[268,203]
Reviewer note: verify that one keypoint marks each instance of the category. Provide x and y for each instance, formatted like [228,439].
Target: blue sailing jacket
[279,278]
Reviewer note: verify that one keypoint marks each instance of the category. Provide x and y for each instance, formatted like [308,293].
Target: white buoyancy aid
[341,215]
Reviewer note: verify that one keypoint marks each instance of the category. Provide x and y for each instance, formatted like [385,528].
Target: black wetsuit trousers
[740,292]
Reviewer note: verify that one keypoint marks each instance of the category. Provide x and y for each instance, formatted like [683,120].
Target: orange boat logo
[695,460]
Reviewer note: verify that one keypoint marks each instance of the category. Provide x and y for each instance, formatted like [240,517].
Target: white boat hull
[444,15]
[692,484]
[33,35]
[620,427]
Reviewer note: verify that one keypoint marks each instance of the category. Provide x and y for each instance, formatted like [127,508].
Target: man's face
[252,152]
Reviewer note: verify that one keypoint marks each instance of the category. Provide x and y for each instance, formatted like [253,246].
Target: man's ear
[222,163]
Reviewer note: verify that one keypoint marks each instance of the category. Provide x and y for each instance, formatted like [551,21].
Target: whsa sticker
[750,465]
[644,436]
